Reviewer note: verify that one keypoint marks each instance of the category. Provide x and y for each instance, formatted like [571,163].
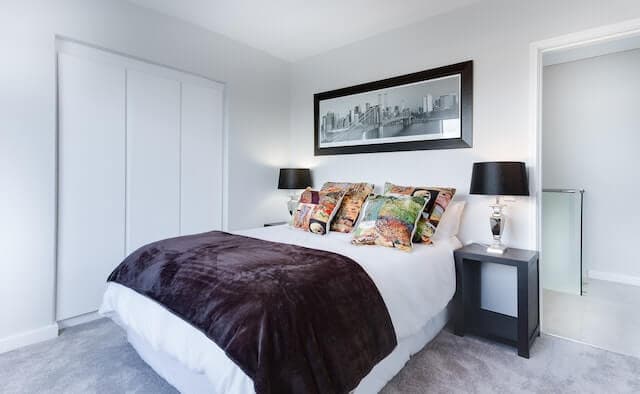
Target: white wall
[258,105]
[496,35]
[591,134]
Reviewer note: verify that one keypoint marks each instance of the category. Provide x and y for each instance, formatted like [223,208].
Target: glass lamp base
[496,222]
[292,204]
[496,249]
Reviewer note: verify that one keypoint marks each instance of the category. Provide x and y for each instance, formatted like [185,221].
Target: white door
[153,158]
[91,187]
[201,169]
[140,160]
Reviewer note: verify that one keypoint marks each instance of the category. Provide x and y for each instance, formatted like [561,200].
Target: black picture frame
[464,69]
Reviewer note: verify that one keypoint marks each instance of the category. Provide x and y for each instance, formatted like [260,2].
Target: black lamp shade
[294,178]
[500,178]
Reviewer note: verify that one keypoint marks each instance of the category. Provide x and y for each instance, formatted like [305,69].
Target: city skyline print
[425,110]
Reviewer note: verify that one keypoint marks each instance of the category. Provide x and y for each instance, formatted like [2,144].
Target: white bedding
[415,286]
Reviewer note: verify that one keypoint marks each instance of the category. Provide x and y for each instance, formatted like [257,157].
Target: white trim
[535,179]
[225,159]
[536,50]
[614,277]
[56,190]
[81,319]
[28,338]
[180,135]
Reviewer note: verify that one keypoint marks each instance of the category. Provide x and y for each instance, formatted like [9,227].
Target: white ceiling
[295,29]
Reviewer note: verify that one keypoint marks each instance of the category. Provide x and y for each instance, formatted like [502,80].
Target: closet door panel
[91,187]
[153,158]
[201,170]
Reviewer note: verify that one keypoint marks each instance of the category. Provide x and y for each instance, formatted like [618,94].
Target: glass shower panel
[561,255]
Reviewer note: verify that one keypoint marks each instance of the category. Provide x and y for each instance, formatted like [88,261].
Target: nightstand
[274,224]
[518,331]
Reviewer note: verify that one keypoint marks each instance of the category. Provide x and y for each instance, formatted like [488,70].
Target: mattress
[416,288]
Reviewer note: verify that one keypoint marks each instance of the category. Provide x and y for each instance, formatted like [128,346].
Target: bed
[416,288]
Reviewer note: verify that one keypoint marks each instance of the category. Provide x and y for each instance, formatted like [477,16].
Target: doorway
[586,92]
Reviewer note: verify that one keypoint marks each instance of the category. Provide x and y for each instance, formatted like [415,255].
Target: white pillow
[450,222]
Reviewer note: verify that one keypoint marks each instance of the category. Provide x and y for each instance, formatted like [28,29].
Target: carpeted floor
[96,358]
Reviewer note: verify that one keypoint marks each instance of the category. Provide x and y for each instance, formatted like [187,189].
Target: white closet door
[91,195]
[201,170]
[153,158]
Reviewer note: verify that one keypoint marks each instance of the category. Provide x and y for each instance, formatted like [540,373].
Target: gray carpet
[96,358]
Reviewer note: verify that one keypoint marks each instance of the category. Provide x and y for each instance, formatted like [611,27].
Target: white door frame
[537,49]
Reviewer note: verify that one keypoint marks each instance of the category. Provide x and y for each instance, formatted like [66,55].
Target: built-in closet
[140,158]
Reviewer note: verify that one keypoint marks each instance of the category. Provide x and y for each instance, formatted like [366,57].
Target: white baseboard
[613,277]
[74,321]
[28,338]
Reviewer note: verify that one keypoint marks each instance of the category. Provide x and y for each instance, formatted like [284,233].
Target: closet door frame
[70,46]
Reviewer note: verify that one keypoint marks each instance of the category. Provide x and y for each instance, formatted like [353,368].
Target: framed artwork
[431,109]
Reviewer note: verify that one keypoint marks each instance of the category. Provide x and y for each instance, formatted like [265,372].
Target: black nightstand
[274,224]
[518,331]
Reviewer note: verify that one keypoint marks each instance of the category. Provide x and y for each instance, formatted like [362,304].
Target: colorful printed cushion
[438,198]
[316,209]
[355,196]
[389,221]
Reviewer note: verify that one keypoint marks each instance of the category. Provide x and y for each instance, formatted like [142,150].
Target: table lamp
[499,178]
[294,179]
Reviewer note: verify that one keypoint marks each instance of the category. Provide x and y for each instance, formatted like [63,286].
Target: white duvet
[415,287]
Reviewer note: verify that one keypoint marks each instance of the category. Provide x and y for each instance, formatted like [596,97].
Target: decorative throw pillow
[316,209]
[355,196]
[450,222]
[336,186]
[389,221]
[438,198]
